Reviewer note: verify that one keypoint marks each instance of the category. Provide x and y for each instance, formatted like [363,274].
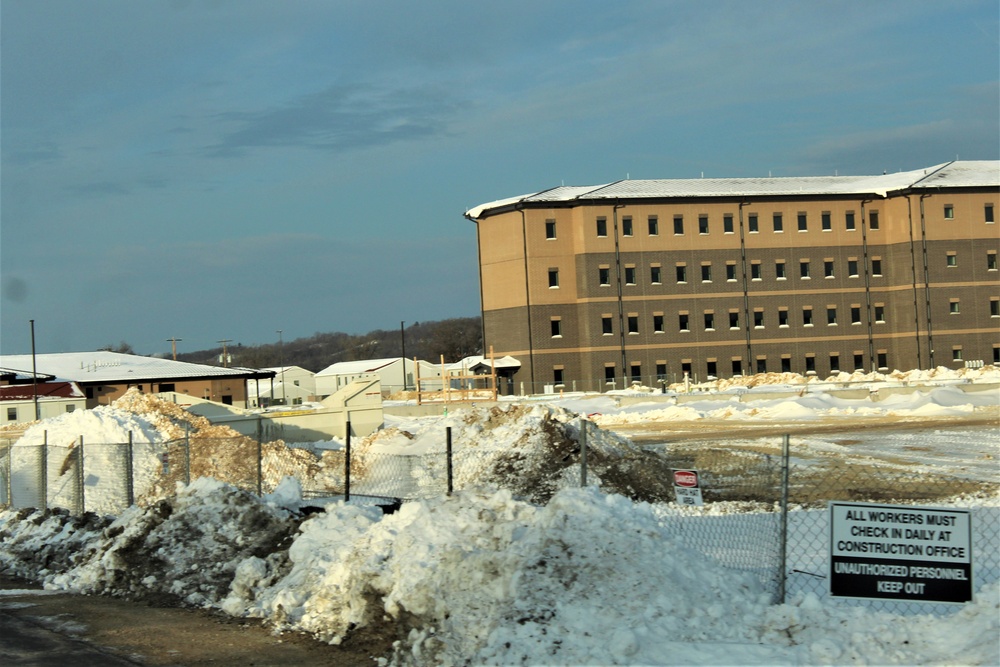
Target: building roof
[114,367]
[365,366]
[470,363]
[46,390]
[981,173]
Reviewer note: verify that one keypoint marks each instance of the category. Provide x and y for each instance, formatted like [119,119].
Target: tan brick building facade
[637,281]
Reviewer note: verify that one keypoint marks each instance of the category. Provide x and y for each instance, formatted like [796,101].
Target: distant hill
[455,339]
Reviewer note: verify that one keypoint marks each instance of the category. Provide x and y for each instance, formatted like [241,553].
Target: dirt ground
[148,635]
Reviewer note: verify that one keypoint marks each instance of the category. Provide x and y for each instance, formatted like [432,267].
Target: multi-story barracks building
[645,280]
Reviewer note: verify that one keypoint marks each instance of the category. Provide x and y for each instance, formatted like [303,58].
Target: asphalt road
[42,629]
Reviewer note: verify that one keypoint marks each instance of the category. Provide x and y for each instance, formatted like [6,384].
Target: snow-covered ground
[520,566]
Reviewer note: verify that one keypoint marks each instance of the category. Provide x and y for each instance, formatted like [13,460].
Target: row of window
[710,322]
[805,270]
[753,222]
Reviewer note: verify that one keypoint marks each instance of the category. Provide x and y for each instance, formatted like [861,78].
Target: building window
[994,307]
[852,268]
[956,354]
[879,314]
[807,317]
[876,267]
[873,220]
[755,271]
[734,320]
[786,364]
[711,368]
[949,212]
[952,260]
[550,229]
[70,408]
[758,319]
[752,223]
[556,328]
[727,223]
[12,414]
[810,364]
[627,226]
[731,272]
[706,273]
[703,224]
[606,328]
[654,275]
[779,269]
[783,317]
[779,225]
[682,273]
[709,321]
[762,365]
[609,374]
[991,261]
[737,366]
[682,322]
[953,307]
[557,376]
[831,315]
[630,275]
[678,224]
[859,361]
[633,324]
[828,268]
[636,372]
[849,221]
[804,268]
[855,314]
[602,226]
[834,362]
[988,213]
[654,225]
[803,222]
[657,323]
[553,278]
[883,361]
[661,370]
[604,275]
[826,221]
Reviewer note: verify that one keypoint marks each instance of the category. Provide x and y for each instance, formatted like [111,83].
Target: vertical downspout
[927,284]
[913,277]
[621,305]
[868,287]
[482,312]
[527,296]
[746,294]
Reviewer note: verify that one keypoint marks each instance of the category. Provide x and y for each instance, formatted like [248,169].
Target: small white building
[390,371]
[291,385]
[17,402]
[478,364]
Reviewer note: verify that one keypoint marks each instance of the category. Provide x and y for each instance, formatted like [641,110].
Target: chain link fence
[764,513]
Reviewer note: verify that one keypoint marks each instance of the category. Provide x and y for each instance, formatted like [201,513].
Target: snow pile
[479,578]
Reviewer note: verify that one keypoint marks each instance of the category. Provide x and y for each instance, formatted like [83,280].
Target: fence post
[583,452]
[81,479]
[784,519]
[347,462]
[187,453]
[44,486]
[260,455]
[129,481]
[447,431]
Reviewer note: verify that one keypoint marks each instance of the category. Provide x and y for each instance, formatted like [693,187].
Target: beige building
[641,281]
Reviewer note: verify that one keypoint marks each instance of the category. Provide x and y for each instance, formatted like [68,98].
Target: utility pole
[281,360]
[173,345]
[34,372]
[225,356]
[402,336]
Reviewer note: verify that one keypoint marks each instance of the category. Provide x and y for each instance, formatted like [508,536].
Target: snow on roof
[103,366]
[356,367]
[23,392]
[983,173]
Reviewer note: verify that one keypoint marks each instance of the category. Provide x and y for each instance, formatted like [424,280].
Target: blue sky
[222,169]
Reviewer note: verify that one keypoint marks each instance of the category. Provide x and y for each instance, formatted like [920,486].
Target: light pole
[281,360]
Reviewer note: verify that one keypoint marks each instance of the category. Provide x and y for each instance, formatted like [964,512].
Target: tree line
[454,338]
